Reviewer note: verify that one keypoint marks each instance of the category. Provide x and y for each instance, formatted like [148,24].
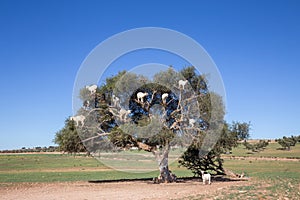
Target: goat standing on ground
[206,178]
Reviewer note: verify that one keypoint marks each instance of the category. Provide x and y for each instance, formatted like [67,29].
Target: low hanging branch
[99,135]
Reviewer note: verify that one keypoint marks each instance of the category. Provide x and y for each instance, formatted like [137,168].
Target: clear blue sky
[255,44]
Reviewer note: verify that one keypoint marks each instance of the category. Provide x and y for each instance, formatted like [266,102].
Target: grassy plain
[62,167]
[272,150]
[271,175]
[59,167]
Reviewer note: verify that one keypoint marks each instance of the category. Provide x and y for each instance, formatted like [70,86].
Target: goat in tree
[164,97]
[169,117]
[192,122]
[116,100]
[140,96]
[142,101]
[77,119]
[123,113]
[86,104]
[175,126]
[92,89]
[182,83]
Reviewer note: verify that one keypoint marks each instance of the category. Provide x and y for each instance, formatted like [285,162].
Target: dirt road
[118,190]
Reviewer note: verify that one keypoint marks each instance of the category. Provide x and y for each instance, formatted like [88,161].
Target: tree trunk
[166,176]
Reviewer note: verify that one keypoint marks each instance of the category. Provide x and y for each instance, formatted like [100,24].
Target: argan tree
[131,111]
[241,130]
[256,147]
[68,139]
[196,160]
[287,142]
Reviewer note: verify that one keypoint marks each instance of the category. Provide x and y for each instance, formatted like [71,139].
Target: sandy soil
[116,190]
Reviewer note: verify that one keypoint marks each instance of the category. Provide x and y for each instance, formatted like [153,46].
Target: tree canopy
[68,139]
[241,130]
[256,147]
[173,110]
[196,160]
[288,142]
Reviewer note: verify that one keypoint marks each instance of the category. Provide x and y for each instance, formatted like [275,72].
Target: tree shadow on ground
[179,180]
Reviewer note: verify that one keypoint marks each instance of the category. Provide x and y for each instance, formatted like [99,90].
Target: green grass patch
[46,161]
[80,176]
[264,168]
[272,150]
[274,188]
[38,168]
[53,167]
[71,176]
[259,188]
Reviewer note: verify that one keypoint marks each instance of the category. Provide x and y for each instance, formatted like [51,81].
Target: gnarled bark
[166,176]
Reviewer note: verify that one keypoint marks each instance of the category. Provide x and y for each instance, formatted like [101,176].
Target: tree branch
[98,135]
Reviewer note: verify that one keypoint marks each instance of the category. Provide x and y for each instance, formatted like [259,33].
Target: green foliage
[121,139]
[271,151]
[68,139]
[256,147]
[288,142]
[168,78]
[110,82]
[105,127]
[194,159]
[198,82]
[241,130]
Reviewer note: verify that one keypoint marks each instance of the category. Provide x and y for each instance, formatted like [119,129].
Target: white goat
[86,104]
[175,126]
[141,95]
[164,97]
[116,100]
[182,83]
[77,119]
[92,88]
[192,122]
[123,113]
[206,178]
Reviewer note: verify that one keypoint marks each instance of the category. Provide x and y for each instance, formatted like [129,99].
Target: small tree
[256,147]
[241,130]
[68,139]
[212,162]
[287,142]
[298,138]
